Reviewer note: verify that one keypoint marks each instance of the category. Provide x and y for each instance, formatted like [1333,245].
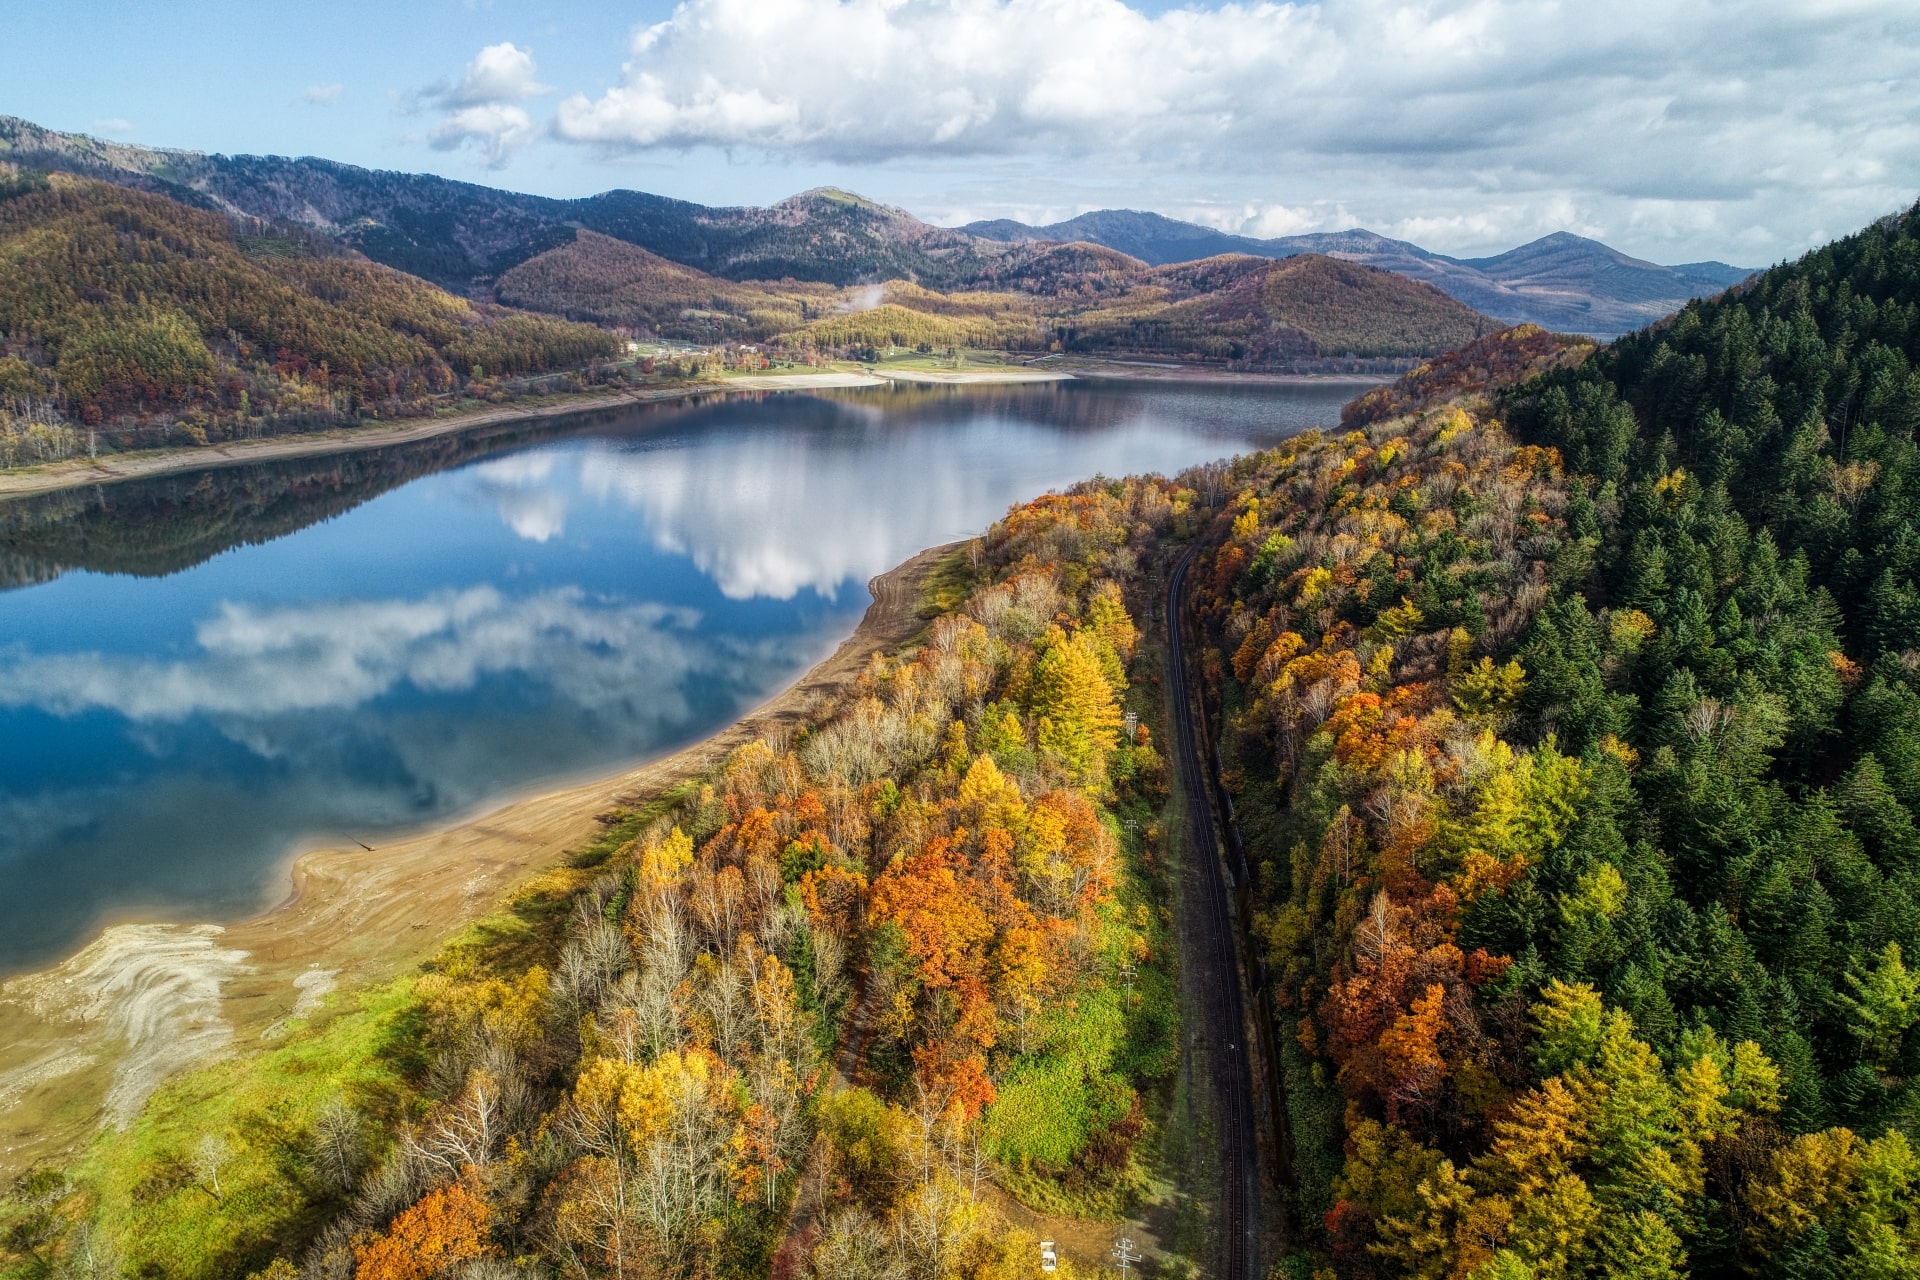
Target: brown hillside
[1260,312]
[1245,310]
[1067,271]
[610,281]
[1347,308]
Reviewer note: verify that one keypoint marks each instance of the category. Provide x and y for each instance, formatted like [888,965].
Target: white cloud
[322,95]
[499,73]
[1750,108]
[112,124]
[483,109]
[497,129]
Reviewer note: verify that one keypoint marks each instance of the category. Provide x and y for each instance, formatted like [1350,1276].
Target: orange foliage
[447,1227]
[945,927]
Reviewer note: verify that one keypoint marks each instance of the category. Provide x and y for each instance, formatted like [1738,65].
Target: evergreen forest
[1570,703]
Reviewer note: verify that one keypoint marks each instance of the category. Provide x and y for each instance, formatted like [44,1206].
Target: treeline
[1580,757]
[845,980]
[892,324]
[1501,359]
[148,321]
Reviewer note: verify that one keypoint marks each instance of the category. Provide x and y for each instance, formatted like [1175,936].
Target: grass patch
[1069,1126]
[624,826]
[161,1211]
[947,585]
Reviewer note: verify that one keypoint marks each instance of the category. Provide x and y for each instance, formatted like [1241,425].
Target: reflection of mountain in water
[151,528]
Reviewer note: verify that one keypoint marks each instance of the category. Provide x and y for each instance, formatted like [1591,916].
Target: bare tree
[211,1156]
[339,1145]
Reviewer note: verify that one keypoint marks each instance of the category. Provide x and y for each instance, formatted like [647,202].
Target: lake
[201,675]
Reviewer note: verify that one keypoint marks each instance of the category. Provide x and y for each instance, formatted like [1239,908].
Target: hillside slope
[1257,311]
[796,1009]
[146,318]
[1580,761]
[1091,300]
[609,281]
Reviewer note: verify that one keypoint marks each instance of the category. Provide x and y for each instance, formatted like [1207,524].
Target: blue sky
[1744,130]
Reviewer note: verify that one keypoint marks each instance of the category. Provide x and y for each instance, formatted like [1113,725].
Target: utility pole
[1127,975]
[1123,1254]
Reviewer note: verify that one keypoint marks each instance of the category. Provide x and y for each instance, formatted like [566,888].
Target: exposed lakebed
[199,675]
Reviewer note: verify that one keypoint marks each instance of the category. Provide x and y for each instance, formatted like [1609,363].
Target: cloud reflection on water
[255,662]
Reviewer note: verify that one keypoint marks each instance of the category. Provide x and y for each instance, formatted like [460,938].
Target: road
[1223,1025]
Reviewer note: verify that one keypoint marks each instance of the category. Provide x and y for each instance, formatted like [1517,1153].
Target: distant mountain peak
[838,196]
[1562,281]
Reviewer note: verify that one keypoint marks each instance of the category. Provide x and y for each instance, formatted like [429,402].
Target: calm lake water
[199,676]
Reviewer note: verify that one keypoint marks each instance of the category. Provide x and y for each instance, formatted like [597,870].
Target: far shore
[80,472]
[77,472]
[89,1039]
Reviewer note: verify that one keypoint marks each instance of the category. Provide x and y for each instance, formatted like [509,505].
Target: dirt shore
[78,472]
[87,1041]
[975,377]
[88,471]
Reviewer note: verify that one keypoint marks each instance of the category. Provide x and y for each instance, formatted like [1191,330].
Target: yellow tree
[1079,715]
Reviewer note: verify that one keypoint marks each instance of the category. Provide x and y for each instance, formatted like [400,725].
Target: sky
[1676,130]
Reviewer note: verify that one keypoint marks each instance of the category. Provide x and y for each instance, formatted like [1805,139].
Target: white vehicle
[1049,1260]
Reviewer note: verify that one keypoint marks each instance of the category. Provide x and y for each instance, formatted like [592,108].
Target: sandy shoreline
[88,1040]
[976,377]
[81,471]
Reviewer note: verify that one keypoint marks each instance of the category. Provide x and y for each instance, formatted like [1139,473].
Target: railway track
[1224,1013]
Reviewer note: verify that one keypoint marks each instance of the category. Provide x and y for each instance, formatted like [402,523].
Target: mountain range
[465,237]
[1562,281]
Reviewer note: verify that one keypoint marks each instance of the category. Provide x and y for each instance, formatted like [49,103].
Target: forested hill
[133,313]
[1580,760]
